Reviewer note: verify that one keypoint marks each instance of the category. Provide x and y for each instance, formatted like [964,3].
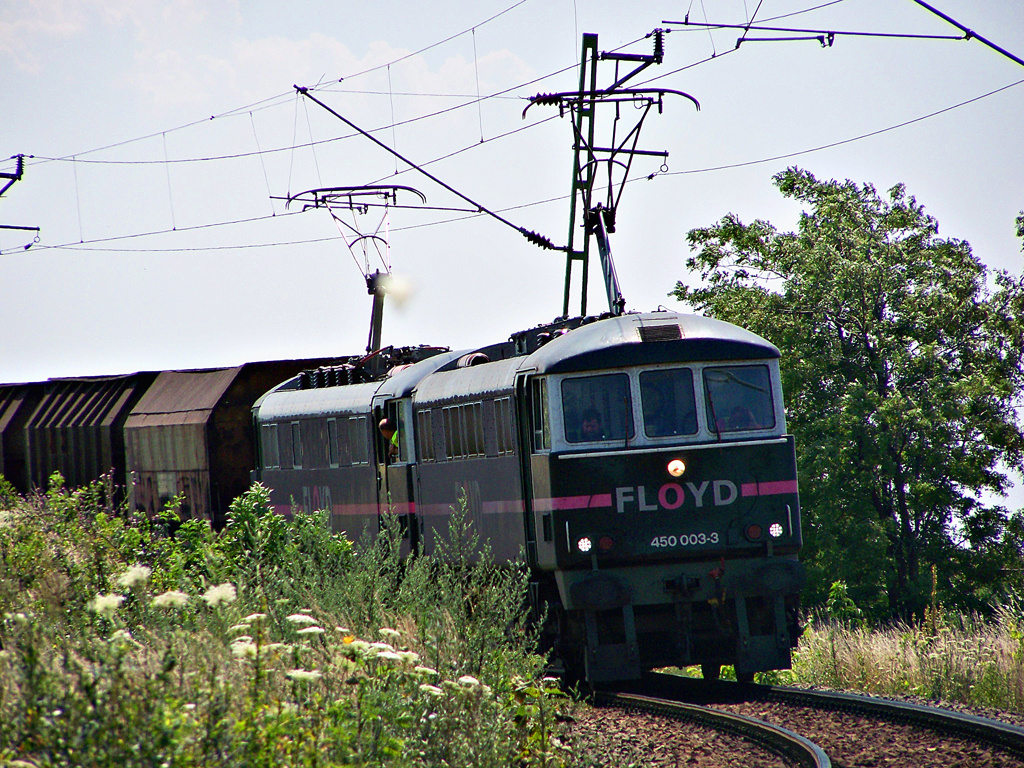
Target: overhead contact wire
[970,33]
[267,102]
[531,236]
[294,145]
[843,141]
[170,191]
[476,70]
[474,214]
[263,162]
[439,42]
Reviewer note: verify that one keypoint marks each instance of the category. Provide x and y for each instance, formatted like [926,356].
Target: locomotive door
[395,460]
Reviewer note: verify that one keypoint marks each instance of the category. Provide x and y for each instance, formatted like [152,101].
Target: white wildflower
[222,594]
[425,672]
[389,634]
[431,690]
[343,630]
[239,628]
[123,637]
[301,618]
[172,598]
[190,706]
[311,631]
[409,657]
[375,648]
[105,605]
[254,617]
[244,649]
[135,575]
[468,681]
[389,656]
[303,675]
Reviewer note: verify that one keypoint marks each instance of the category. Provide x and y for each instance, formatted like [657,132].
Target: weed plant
[271,643]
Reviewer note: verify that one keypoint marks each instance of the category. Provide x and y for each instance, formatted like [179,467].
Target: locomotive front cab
[665,498]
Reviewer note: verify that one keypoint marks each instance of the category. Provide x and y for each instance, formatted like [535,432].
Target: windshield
[668,403]
[597,408]
[739,398]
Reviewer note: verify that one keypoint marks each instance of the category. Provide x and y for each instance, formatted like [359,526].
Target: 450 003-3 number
[685,540]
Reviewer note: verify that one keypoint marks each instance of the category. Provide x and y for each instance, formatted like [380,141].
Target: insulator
[538,239]
[659,45]
[546,98]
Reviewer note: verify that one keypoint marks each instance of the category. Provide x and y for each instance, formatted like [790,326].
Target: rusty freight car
[191,436]
[77,428]
[17,402]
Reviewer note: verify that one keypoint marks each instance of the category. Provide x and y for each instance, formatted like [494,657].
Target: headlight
[676,467]
[584,544]
[775,530]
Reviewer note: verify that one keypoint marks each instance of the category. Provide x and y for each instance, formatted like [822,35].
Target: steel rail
[1006,736]
[789,745]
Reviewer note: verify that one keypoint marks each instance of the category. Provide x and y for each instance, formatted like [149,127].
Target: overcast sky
[180,119]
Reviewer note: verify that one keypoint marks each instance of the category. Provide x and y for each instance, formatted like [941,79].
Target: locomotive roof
[284,401]
[401,383]
[648,338]
[491,379]
[288,401]
[635,339]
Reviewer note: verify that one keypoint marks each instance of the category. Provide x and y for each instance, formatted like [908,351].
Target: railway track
[792,748]
[820,728]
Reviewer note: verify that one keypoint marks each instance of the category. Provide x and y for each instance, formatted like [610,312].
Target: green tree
[902,360]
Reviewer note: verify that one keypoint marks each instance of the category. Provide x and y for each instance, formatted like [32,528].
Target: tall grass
[271,643]
[949,656]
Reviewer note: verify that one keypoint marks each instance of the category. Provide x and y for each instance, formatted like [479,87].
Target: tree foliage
[902,362]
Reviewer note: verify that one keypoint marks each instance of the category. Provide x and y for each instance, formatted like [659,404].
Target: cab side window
[296,445]
[391,440]
[269,445]
[539,420]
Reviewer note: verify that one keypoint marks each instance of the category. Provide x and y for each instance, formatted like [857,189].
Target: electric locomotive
[640,461]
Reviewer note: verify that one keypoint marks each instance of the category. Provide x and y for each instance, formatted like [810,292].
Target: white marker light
[584,544]
[775,529]
[676,467]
